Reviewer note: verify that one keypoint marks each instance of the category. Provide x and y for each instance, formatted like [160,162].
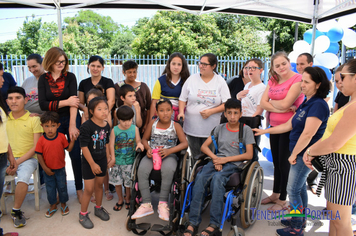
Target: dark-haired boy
[50,153]
[124,141]
[23,132]
[217,172]
[128,97]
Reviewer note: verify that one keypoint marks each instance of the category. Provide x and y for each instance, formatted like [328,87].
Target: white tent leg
[59,22]
[315,22]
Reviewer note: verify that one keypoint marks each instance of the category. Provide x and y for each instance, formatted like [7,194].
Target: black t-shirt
[86,84]
[236,85]
[95,138]
[341,99]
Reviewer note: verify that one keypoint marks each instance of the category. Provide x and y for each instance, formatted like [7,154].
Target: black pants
[280,153]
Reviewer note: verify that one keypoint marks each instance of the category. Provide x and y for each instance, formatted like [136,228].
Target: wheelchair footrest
[143,226]
[157,227]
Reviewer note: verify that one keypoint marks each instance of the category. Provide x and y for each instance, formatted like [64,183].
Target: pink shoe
[108,195]
[144,210]
[163,211]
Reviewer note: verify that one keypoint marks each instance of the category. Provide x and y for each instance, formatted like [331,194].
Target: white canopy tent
[306,11]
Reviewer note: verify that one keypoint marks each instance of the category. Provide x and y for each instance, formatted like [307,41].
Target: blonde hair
[272,74]
[51,58]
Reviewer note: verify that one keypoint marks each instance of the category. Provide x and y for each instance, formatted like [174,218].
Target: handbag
[316,162]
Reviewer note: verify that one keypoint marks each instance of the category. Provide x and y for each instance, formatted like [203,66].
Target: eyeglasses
[253,68]
[61,62]
[342,75]
[203,64]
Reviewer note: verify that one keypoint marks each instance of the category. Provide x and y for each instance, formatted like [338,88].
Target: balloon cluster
[327,37]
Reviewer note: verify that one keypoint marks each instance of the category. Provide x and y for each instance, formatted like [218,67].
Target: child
[50,154]
[143,94]
[170,84]
[128,97]
[123,139]
[94,141]
[163,134]
[217,172]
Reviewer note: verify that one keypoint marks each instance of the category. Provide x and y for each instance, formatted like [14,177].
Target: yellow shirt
[350,146]
[20,133]
[4,141]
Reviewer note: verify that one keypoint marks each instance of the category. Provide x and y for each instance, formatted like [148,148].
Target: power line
[19,17]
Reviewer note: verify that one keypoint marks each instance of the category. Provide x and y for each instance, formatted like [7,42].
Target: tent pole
[315,22]
[59,21]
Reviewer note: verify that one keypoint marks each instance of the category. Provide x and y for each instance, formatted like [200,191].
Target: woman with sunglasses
[204,94]
[57,91]
[337,151]
[281,98]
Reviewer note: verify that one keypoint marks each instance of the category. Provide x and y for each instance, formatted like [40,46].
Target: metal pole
[296,32]
[343,53]
[59,21]
[315,22]
[273,41]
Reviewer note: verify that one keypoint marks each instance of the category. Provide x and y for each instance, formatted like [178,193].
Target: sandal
[108,195]
[49,213]
[127,205]
[210,233]
[64,211]
[192,233]
[278,205]
[267,200]
[118,207]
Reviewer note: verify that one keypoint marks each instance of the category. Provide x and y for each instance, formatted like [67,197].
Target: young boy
[124,140]
[50,153]
[128,97]
[217,172]
[23,132]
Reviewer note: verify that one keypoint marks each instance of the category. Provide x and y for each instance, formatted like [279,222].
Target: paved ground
[38,224]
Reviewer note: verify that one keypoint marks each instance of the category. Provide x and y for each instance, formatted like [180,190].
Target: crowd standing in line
[50,98]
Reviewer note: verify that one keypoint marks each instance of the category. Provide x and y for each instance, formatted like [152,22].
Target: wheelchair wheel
[251,194]
[232,232]
[183,176]
[128,218]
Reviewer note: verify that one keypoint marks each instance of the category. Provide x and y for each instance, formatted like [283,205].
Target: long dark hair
[184,74]
[3,106]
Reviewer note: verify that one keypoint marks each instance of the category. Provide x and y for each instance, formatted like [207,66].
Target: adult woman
[282,92]
[34,64]
[57,91]
[340,99]
[251,95]
[204,94]
[307,126]
[338,150]
[237,84]
[95,68]
[169,85]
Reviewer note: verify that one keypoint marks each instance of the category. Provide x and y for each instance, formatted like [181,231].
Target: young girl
[170,84]
[94,141]
[98,91]
[163,134]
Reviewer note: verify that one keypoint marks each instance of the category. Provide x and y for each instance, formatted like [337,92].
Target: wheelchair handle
[180,121]
[138,150]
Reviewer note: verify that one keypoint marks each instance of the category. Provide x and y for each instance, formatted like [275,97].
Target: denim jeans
[3,166]
[216,180]
[297,188]
[56,183]
[75,153]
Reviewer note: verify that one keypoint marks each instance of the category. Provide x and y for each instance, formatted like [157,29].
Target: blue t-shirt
[314,107]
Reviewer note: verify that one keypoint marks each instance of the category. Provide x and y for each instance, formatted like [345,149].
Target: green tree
[28,35]
[10,47]
[48,34]
[121,44]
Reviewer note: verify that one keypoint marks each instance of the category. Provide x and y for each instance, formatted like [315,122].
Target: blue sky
[11,20]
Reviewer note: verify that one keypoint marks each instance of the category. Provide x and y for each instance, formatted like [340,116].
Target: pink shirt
[279,92]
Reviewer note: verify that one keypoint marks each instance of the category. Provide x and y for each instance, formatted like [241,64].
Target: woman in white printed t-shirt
[251,95]
[203,95]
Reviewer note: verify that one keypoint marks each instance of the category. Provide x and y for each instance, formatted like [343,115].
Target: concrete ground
[38,224]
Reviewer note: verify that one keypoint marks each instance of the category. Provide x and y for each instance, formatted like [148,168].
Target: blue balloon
[269,156]
[335,34]
[333,48]
[308,35]
[294,67]
[264,151]
[267,135]
[326,70]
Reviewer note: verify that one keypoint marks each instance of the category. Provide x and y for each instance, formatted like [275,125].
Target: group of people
[117,119]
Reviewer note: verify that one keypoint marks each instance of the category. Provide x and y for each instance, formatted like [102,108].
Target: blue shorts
[26,169]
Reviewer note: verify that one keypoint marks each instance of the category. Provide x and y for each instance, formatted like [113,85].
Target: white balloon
[326,25]
[322,43]
[293,56]
[347,21]
[349,39]
[316,62]
[301,46]
[328,60]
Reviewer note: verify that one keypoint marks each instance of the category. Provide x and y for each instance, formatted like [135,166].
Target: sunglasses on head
[342,75]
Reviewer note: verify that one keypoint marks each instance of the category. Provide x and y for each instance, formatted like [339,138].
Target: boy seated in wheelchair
[216,173]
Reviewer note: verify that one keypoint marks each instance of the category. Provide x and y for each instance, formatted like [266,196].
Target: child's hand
[140,146]
[49,172]
[242,94]
[95,168]
[149,153]
[219,160]
[164,152]
[218,167]
[111,163]
[136,105]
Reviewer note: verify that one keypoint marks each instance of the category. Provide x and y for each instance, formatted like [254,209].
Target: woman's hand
[73,132]
[292,159]
[293,108]
[259,132]
[307,160]
[73,101]
[242,94]
[164,152]
[205,114]
[149,153]
[95,168]
[180,115]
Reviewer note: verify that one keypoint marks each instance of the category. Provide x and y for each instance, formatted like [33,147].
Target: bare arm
[292,95]
[279,129]
[71,145]
[153,108]
[181,105]
[110,95]
[138,114]
[259,111]
[139,144]
[241,157]
[336,106]
[72,123]
[30,153]
[146,137]
[12,168]
[266,105]
[112,149]
[183,143]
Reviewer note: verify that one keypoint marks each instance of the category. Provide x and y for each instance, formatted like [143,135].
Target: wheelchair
[243,195]
[174,200]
